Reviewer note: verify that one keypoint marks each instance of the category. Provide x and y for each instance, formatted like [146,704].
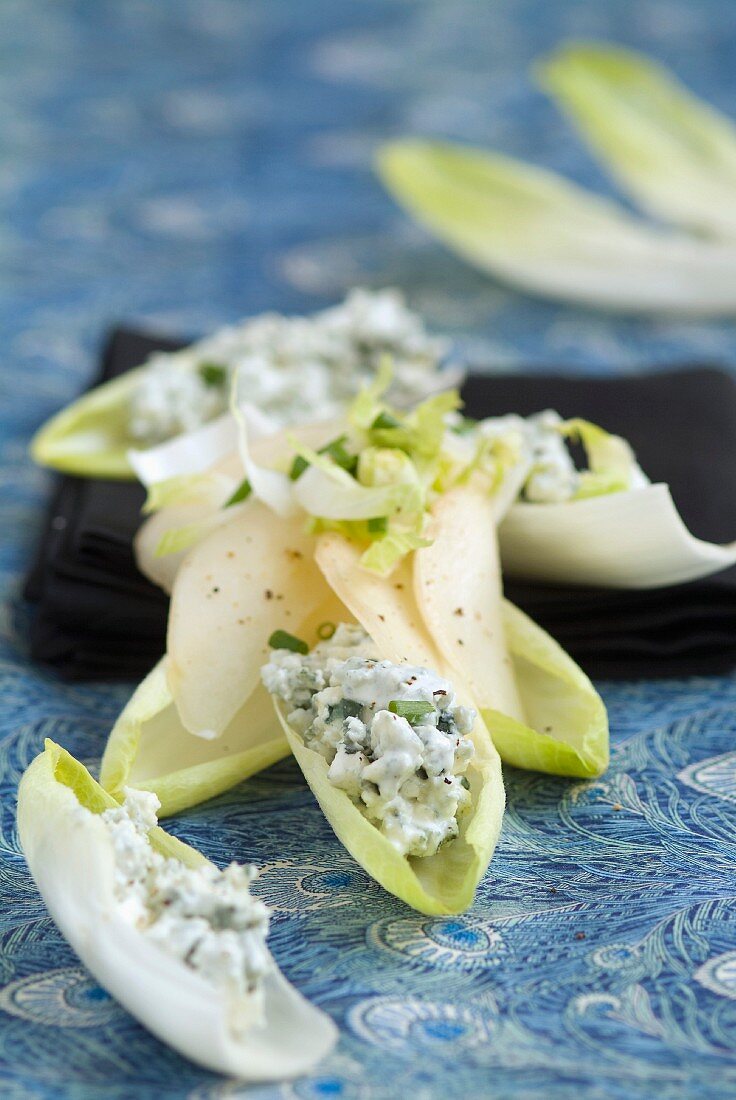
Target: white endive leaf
[674,154]
[443,883]
[190,453]
[149,748]
[630,539]
[336,495]
[545,235]
[71,858]
[197,518]
[90,437]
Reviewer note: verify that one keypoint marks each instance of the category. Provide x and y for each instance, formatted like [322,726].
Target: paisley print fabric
[183,163]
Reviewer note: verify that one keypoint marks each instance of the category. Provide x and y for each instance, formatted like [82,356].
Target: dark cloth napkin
[98,618]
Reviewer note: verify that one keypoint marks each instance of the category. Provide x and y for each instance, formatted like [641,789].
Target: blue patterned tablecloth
[182,163]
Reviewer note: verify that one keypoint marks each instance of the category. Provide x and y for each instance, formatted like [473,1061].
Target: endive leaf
[149,748]
[442,883]
[674,154]
[211,490]
[187,454]
[71,858]
[336,495]
[631,539]
[612,463]
[90,437]
[535,230]
[566,730]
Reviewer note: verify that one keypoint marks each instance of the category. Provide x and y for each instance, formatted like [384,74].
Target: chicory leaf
[537,231]
[150,749]
[631,539]
[673,153]
[70,855]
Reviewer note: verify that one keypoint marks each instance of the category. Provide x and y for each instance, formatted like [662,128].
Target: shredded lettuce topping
[377,479]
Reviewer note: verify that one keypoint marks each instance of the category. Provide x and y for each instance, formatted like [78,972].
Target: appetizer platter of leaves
[336,594]
[332,533]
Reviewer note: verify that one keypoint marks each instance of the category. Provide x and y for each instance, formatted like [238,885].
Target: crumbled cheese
[405,775]
[552,476]
[203,916]
[292,368]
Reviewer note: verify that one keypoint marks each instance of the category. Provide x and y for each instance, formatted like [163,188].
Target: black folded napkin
[98,618]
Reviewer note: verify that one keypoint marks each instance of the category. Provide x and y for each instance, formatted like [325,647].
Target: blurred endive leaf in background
[535,230]
[674,154]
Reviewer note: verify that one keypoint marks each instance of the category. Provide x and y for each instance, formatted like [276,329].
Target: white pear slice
[457,584]
[246,579]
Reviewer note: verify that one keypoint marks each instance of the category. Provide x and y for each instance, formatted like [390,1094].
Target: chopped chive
[336,452]
[242,492]
[339,455]
[378,525]
[281,639]
[411,709]
[325,631]
[212,374]
[298,467]
[385,420]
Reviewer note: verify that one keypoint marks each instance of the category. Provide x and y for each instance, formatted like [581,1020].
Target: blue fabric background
[185,162]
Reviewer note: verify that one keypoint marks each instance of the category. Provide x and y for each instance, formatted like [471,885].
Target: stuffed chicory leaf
[132,902]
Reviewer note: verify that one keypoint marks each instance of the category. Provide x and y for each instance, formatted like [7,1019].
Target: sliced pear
[249,577]
[457,585]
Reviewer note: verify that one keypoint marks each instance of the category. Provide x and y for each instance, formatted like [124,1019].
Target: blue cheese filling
[402,765]
[550,475]
[205,917]
[553,477]
[294,369]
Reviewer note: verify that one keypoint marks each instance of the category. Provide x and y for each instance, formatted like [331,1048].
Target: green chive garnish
[337,453]
[411,709]
[385,420]
[242,492]
[281,639]
[325,631]
[212,374]
[298,467]
[378,525]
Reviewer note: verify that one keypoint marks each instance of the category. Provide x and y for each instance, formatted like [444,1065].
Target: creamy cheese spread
[292,368]
[553,477]
[206,917]
[392,735]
